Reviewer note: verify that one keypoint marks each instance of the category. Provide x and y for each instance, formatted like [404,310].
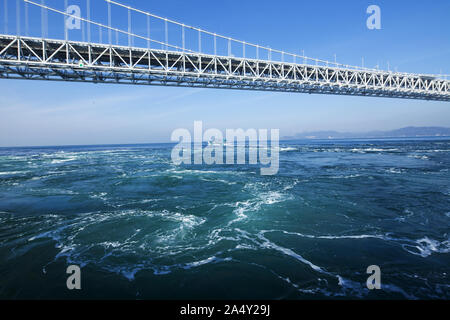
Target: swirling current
[141,227]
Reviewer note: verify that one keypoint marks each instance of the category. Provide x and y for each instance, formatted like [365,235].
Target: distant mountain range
[407,132]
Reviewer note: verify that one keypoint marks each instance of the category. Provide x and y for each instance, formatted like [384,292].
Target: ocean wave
[292,184]
[177,170]
[99,195]
[287,149]
[150,216]
[253,205]
[198,263]
[230,183]
[346,176]
[77,239]
[271,245]
[152,250]
[54,191]
[333,237]
[408,213]
[425,247]
[421,157]
[10,173]
[395,170]
[57,161]
[435,150]
[349,287]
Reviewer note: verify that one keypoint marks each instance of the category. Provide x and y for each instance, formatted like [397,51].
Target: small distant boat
[212,142]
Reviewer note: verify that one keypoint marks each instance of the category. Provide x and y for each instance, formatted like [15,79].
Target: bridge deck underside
[43,59]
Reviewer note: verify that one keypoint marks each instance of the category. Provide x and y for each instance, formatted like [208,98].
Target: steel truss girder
[59,60]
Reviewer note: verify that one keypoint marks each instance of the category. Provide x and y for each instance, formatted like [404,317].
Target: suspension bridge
[171,53]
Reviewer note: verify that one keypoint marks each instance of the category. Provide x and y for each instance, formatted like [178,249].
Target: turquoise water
[141,227]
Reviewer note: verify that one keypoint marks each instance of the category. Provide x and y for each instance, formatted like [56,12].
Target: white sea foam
[69,236]
[202,172]
[212,259]
[12,172]
[346,176]
[436,150]
[272,197]
[331,237]
[408,212]
[291,253]
[425,247]
[241,207]
[255,204]
[365,150]
[219,180]
[286,149]
[421,157]
[100,195]
[55,161]
[395,170]
[348,285]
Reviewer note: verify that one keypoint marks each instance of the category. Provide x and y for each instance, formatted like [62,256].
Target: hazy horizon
[282,138]
[64,113]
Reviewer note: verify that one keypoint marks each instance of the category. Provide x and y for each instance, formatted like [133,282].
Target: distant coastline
[403,133]
[406,132]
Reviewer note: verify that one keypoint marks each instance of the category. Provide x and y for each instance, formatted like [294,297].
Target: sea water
[141,227]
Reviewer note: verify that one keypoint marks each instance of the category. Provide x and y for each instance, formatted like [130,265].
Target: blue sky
[414,38]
